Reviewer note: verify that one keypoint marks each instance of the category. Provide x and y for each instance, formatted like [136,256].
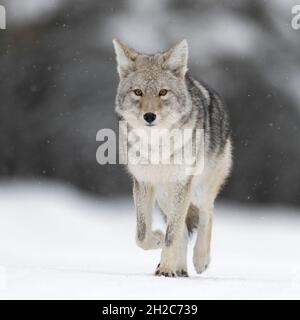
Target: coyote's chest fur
[161,161]
[157,173]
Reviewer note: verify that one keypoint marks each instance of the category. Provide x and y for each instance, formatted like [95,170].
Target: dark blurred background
[58,82]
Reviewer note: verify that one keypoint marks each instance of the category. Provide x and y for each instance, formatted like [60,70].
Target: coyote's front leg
[144,198]
[179,198]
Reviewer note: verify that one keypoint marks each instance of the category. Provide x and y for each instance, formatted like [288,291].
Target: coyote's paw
[182,273]
[154,241]
[201,263]
[165,271]
[181,268]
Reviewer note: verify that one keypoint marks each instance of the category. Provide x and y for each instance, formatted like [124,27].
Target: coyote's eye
[163,92]
[138,92]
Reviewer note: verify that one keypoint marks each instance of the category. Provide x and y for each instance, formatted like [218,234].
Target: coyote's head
[152,89]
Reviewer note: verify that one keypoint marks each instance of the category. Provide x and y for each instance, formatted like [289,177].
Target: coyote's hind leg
[201,256]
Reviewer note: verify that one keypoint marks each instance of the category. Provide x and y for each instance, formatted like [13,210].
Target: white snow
[57,243]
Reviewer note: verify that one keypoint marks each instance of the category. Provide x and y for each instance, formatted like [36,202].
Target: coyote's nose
[149,117]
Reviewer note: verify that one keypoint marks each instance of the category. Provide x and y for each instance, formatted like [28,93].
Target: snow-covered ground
[58,243]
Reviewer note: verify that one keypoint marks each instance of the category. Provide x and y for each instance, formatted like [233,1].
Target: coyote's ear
[176,59]
[125,58]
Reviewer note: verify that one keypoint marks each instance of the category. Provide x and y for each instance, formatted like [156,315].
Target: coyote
[155,91]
